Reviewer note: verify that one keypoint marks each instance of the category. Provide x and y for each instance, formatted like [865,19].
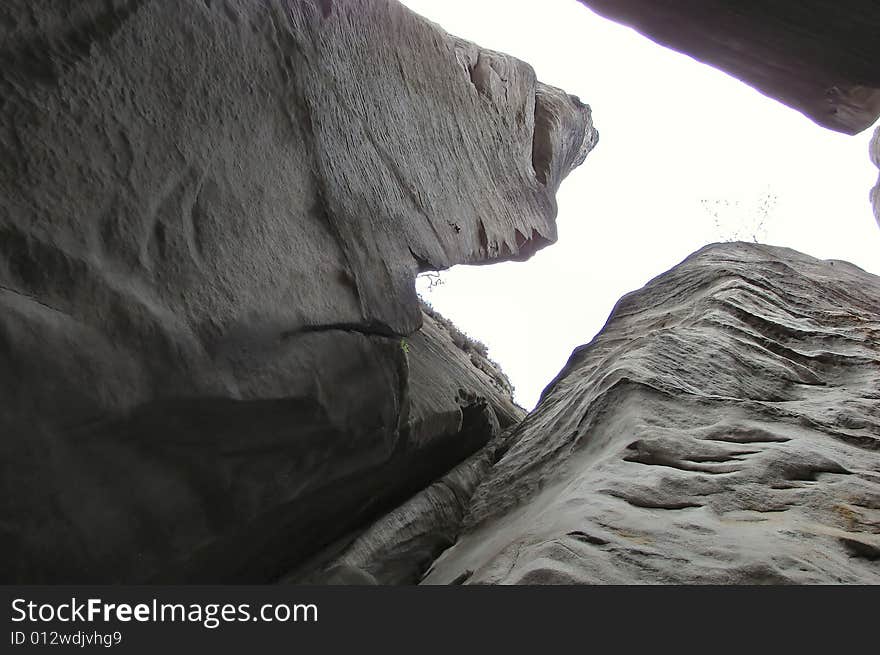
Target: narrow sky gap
[676,136]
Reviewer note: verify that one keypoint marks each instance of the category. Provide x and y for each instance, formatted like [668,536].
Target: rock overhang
[211,215]
[817,57]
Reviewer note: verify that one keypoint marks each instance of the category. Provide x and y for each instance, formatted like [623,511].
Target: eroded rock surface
[211,214]
[723,427]
[820,57]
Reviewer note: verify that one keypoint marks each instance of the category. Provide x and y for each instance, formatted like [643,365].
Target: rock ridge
[723,427]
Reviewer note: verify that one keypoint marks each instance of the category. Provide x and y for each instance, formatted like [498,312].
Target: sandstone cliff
[211,216]
[723,427]
[214,366]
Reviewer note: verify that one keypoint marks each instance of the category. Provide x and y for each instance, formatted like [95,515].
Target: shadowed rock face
[211,214]
[819,57]
[723,427]
[399,547]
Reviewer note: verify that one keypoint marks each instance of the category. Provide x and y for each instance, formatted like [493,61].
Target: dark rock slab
[819,57]
[211,215]
[723,427]
[399,548]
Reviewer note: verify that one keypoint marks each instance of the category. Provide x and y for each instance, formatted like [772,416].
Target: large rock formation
[724,427]
[820,57]
[211,215]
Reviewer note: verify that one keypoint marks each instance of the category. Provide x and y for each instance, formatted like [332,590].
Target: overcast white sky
[673,133]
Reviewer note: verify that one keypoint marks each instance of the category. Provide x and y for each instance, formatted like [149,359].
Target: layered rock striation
[211,215]
[723,427]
